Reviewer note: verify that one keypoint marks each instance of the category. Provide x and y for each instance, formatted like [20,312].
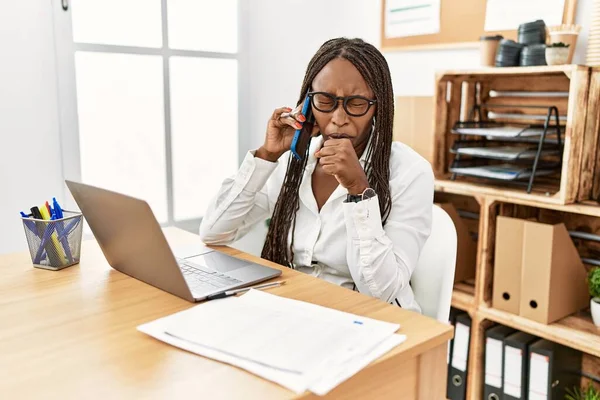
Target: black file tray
[516,152]
[493,130]
[503,172]
[512,143]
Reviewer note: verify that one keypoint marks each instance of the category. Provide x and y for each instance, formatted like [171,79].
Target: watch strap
[353,198]
[365,195]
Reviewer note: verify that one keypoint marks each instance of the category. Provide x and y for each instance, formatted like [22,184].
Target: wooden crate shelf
[525,71]
[573,221]
[573,198]
[575,331]
[463,300]
[579,177]
[591,208]
[467,288]
[465,209]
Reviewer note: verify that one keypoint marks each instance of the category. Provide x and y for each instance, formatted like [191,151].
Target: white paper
[512,371]
[412,17]
[502,131]
[493,362]
[295,382]
[333,379]
[509,14]
[268,334]
[461,347]
[501,171]
[365,339]
[538,377]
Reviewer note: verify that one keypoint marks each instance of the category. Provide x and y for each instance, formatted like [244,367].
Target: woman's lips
[340,136]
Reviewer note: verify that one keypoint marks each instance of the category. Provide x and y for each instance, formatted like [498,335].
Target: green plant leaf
[589,393]
[558,44]
[574,394]
[593,279]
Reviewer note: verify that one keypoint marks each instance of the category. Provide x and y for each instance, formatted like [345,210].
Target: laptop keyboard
[200,279]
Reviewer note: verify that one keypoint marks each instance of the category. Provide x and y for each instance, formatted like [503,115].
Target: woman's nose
[339,117]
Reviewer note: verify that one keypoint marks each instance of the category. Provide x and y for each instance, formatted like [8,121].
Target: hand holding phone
[284,125]
[302,135]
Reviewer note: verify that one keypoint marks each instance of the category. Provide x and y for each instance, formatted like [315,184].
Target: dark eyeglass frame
[336,102]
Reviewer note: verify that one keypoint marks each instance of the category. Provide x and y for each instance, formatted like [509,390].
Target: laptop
[133,243]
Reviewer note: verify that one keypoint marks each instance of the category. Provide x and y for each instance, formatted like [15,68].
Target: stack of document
[509,153]
[506,172]
[504,131]
[298,345]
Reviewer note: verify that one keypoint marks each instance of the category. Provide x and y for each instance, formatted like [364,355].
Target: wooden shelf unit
[589,207]
[520,71]
[464,300]
[575,331]
[573,198]
[458,91]
[467,207]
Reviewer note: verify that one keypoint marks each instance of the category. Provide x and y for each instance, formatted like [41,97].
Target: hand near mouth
[338,158]
[340,136]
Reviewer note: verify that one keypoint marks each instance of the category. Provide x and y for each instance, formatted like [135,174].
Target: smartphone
[302,135]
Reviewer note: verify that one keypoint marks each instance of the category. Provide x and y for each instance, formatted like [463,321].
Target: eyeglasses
[356,106]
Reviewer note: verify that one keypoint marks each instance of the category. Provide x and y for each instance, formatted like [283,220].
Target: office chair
[253,241]
[433,279]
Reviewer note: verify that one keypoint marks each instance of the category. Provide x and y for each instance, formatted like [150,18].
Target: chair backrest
[433,278]
[253,241]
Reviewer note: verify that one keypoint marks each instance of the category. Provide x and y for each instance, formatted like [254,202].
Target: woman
[356,209]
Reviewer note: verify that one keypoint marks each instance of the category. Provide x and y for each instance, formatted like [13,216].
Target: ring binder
[494,361]
[457,384]
[516,365]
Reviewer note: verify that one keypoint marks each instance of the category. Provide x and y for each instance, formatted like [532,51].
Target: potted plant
[594,286]
[590,393]
[557,53]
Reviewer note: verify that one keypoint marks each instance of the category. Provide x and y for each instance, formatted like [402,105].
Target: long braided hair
[374,69]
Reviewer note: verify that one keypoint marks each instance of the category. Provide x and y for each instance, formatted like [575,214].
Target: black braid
[374,69]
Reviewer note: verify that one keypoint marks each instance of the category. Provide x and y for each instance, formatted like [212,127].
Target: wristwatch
[355,198]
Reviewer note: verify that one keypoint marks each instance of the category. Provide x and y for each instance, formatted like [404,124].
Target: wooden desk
[72,334]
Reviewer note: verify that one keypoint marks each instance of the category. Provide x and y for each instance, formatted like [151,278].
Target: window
[155,88]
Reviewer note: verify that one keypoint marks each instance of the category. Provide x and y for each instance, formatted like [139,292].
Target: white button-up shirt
[344,243]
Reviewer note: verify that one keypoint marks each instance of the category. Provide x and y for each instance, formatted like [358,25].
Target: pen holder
[54,244]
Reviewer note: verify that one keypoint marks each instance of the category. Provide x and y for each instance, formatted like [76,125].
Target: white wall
[278,45]
[413,72]
[30,158]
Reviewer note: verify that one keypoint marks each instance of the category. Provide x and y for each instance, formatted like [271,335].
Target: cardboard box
[466,253]
[553,280]
[413,124]
[507,264]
